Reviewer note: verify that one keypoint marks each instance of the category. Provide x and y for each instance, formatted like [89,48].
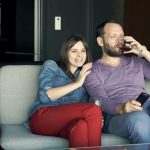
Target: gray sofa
[18,89]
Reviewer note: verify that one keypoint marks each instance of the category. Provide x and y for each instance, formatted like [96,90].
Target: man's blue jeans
[135,126]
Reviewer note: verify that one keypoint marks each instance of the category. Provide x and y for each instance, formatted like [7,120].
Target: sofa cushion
[111,139]
[19,138]
[18,90]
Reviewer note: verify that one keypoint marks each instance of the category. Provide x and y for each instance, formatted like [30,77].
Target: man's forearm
[145,53]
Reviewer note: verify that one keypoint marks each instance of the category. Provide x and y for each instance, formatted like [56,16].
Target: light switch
[57,23]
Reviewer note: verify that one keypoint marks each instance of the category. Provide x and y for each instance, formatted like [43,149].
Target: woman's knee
[94,108]
[77,126]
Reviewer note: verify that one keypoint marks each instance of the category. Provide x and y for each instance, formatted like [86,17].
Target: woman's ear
[100,41]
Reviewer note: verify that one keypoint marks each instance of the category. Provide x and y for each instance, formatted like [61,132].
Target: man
[118,80]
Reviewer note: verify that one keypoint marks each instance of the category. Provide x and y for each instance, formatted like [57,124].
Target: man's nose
[120,40]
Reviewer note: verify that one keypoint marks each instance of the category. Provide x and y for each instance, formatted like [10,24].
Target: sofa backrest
[18,89]
[147,86]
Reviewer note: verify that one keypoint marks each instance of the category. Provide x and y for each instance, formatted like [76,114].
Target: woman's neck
[73,69]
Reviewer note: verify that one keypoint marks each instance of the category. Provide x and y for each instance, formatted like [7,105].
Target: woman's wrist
[77,84]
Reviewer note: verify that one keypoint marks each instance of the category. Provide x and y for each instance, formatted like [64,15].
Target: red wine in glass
[126,46]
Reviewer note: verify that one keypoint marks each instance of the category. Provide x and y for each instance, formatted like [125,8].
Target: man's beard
[109,51]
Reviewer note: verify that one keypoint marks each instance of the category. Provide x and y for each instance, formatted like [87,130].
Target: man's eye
[113,37]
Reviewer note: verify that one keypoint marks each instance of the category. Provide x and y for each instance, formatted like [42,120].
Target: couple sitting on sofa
[63,107]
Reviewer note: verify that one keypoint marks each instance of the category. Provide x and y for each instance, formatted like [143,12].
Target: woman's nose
[79,54]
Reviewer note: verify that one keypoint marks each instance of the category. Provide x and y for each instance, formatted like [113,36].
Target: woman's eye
[84,50]
[73,51]
[76,51]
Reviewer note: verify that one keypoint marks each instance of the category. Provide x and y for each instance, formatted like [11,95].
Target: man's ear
[100,41]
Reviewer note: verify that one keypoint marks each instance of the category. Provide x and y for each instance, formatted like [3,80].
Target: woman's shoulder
[50,64]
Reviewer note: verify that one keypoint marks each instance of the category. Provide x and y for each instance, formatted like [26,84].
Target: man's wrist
[121,108]
[141,51]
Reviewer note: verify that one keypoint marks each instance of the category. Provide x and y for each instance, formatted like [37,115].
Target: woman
[62,108]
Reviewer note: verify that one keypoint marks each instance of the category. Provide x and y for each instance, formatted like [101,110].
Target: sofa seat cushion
[20,138]
[111,139]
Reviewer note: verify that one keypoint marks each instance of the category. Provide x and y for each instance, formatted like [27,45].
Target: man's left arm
[143,52]
[137,48]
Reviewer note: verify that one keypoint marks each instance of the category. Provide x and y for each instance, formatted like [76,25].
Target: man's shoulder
[94,76]
[129,59]
[96,65]
[96,69]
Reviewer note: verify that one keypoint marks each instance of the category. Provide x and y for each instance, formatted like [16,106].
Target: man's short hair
[100,27]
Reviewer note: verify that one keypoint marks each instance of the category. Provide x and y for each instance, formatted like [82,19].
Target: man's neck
[112,61]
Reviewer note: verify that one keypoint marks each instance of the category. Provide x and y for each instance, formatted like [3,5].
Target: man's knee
[138,127]
[137,118]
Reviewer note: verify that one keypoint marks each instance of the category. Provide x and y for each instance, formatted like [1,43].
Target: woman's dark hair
[100,27]
[67,45]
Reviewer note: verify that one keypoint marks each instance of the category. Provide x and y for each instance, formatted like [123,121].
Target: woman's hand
[86,69]
[55,93]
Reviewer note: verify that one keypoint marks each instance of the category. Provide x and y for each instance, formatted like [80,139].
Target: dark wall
[105,10]
[78,17]
[8,13]
[137,20]
[75,20]
[25,25]
[17,24]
